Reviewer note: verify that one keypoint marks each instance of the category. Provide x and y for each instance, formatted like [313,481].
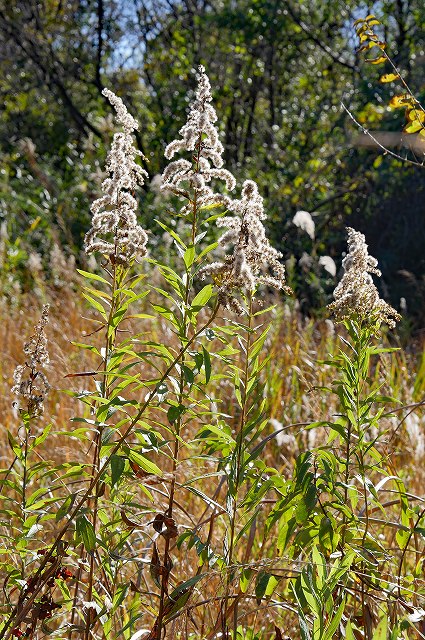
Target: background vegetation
[186,454]
[279,69]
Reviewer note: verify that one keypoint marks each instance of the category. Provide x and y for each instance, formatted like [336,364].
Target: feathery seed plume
[328,264]
[115,231]
[33,386]
[199,136]
[253,256]
[304,221]
[356,293]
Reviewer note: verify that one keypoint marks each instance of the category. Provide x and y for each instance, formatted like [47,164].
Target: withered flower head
[253,261]
[30,382]
[356,294]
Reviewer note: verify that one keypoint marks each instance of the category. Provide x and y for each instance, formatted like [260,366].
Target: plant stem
[237,471]
[183,340]
[27,427]
[110,339]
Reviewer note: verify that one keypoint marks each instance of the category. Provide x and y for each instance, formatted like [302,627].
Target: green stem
[24,485]
[110,339]
[237,470]
[188,287]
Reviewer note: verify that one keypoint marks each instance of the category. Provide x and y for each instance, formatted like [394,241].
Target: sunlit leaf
[380,632]
[413,127]
[378,60]
[143,462]
[202,297]
[265,584]
[401,100]
[85,531]
[389,77]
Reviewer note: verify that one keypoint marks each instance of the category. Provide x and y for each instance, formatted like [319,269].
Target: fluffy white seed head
[356,294]
[199,137]
[304,221]
[124,118]
[328,264]
[31,384]
[254,261]
[114,231]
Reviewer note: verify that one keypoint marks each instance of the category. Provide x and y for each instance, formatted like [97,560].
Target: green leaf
[85,532]
[65,507]
[89,347]
[92,276]
[172,233]
[41,438]
[305,632]
[143,462]
[402,538]
[179,597]
[117,468]
[188,374]
[381,630]
[245,579]
[207,250]
[201,298]
[189,256]
[326,534]
[306,504]
[14,445]
[174,413]
[332,627]
[286,529]
[95,304]
[265,584]
[349,634]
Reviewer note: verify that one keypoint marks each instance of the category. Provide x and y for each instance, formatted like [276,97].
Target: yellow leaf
[400,101]
[370,17]
[415,114]
[413,127]
[370,45]
[379,60]
[389,77]
[35,223]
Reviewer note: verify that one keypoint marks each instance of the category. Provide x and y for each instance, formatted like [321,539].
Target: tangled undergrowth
[204,462]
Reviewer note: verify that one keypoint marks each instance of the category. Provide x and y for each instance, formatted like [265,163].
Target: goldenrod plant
[231,470]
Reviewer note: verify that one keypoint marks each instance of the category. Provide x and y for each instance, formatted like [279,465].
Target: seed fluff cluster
[114,230]
[199,136]
[356,293]
[253,258]
[30,382]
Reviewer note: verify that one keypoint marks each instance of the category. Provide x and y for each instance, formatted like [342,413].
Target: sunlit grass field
[294,377]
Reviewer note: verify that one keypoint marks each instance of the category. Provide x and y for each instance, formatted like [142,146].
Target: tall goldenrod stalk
[236,471]
[252,263]
[357,304]
[188,179]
